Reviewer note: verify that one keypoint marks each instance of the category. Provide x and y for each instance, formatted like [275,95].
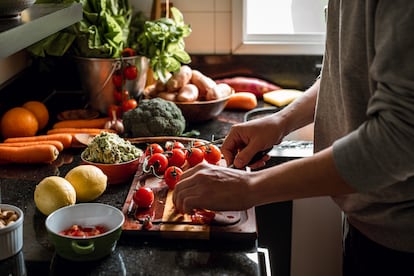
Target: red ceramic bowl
[117,173]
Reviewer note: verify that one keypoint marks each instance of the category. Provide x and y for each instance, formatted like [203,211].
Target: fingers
[187,193]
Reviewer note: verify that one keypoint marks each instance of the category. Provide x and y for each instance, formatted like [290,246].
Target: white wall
[210,21]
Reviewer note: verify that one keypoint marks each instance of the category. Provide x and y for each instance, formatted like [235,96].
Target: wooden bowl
[200,111]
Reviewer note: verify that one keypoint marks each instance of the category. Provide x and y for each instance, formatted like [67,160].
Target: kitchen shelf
[35,23]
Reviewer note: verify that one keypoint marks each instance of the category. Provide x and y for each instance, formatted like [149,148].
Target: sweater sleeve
[381,151]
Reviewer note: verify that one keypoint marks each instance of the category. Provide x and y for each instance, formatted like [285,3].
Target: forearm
[300,178]
[300,112]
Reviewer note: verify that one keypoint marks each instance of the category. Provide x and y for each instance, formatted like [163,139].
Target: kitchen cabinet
[35,24]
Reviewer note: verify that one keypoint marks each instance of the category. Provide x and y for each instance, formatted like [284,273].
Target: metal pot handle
[83,247]
[116,65]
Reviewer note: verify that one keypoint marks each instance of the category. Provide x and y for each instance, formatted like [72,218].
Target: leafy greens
[162,41]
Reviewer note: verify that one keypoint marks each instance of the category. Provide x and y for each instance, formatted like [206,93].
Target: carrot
[57,144]
[82,123]
[242,101]
[64,138]
[34,154]
[74,130]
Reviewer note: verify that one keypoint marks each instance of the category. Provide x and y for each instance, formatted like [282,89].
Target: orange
[18,122]
[39,109]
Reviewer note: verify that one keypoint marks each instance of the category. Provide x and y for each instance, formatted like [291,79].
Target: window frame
[286,44]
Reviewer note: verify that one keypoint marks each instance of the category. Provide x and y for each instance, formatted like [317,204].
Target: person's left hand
[212,187]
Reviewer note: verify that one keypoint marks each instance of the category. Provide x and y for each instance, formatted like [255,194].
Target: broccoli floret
[154,117]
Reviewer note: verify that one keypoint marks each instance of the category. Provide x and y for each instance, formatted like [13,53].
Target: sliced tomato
[202,216]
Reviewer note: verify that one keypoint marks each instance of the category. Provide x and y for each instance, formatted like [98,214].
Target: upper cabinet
[36,23]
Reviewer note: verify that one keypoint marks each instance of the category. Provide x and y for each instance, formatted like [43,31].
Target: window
[278,27]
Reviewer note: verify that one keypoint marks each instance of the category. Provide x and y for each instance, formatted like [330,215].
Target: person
[362,107]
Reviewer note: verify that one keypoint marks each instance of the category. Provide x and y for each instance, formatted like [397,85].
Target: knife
[259,155]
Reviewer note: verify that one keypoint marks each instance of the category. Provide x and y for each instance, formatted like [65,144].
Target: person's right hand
[244,140]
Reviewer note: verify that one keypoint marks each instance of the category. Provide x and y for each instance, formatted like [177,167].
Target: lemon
[89,182]
[52,193]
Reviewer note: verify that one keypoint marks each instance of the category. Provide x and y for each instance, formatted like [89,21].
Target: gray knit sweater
[366,110]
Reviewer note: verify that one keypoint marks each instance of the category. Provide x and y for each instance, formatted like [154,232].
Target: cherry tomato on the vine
[118,79]
[143,197]
[200,145]
[128,52]
[129,104]
[169,145]
[212,154]
[153,148]
[125,95]
[117,96]
[172,176]
[194,156]
[130,72]
[158,162]
[176,157]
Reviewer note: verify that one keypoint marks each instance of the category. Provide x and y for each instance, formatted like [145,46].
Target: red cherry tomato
[128,52]
[117,96]
[212,154]
[199,145]
[129,104]
[130,72]
[118,79]
[169,145]
[195,156]
[143,197]
[176,157]
[158,162]
[153,148]
[172,176]
[125,95]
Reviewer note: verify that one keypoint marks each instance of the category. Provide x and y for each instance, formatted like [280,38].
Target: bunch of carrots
[46,148]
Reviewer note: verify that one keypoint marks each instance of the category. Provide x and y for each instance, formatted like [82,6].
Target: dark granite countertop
[133,255]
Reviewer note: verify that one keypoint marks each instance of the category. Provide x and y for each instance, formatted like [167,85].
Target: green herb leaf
[162,41]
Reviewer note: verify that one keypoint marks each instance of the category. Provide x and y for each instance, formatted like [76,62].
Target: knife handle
[259,155]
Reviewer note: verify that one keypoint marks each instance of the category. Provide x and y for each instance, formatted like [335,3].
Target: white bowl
[11,236]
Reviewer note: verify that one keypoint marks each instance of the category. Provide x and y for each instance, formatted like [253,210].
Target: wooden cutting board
[168,224]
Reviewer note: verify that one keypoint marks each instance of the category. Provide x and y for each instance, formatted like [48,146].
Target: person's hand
[246,139]
[212,187]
